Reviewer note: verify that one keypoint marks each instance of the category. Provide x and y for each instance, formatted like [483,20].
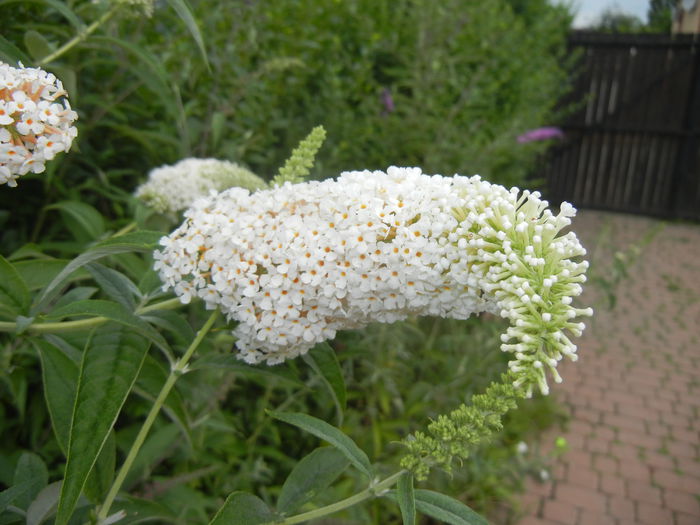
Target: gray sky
[589,10]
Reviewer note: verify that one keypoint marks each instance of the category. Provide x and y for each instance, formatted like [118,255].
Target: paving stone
[560,512]
[653,514]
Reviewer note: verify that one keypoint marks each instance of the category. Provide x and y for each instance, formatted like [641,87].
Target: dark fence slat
[632,140]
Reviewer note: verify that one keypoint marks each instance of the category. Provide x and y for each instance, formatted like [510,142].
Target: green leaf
[156,447]
[111,363]
[12,494]
[218,121]
[14,293]
[102,474]
[172,322]
[112,311]
[329,433]
[115,284]
[44,505]
[153,75]
[323,360]
[84,221]
[140,241]
[37,273]
[231,362]
[59,6]
[30,468]
[37,45]
[142,510]
[184,11]
[60,379]
[406,498]
[74,295]
[241,508]
[310,476]
[12,54]
[446,509]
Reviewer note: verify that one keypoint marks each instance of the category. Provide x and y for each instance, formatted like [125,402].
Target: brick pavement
[634,394]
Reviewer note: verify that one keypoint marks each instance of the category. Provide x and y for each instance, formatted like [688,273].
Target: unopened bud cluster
[35,121]
[170,189]
[296,263]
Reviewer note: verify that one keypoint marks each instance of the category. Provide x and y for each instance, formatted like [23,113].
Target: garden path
[634,394]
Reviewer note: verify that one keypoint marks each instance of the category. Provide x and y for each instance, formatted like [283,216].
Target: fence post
[685,189]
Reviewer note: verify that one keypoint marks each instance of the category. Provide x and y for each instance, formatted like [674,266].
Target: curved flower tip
[171,189]
[296,263]
[545,133]
[35,121]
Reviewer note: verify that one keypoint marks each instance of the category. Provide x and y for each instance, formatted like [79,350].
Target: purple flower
[541,134]
[388,101]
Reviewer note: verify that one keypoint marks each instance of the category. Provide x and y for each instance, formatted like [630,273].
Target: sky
[589,10]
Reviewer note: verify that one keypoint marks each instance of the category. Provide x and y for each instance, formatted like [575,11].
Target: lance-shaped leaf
[15,492]
[241,508]
[332,435]
[116,285]
[14,293]
[114,312]
[60,379]
[44,505]
[232,363]
[37,273]
[31,468]
[84,221]
[324,362]
[406,497]
[446,509]
[184,11]
[140,241]
[143,510]
[110,366]
[310,476]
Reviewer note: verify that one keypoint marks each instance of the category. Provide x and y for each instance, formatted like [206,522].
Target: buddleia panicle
[137,7]
[299,164]
[173,188]
[36,121]
[296,263]
[455,435]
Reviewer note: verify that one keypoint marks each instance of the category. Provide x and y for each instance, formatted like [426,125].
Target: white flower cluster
[34,124]
[170,189]
[296,263]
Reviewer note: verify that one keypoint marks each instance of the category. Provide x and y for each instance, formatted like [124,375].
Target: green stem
[126,229]
[372,492]
[82,324]
[177,370]
[79,37]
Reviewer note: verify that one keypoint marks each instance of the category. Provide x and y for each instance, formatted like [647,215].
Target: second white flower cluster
[296,263]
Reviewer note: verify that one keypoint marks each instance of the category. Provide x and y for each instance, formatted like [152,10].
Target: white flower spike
[170,189]
[296,263]
[35,121]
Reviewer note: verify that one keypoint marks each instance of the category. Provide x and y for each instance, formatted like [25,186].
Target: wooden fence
[632,142]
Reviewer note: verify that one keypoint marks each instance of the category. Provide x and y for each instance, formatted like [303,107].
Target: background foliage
[444,85]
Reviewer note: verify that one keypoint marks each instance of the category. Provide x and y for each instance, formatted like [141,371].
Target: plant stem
[82,35]
[82,324]
[369,493]
[177,370]
[126,229]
